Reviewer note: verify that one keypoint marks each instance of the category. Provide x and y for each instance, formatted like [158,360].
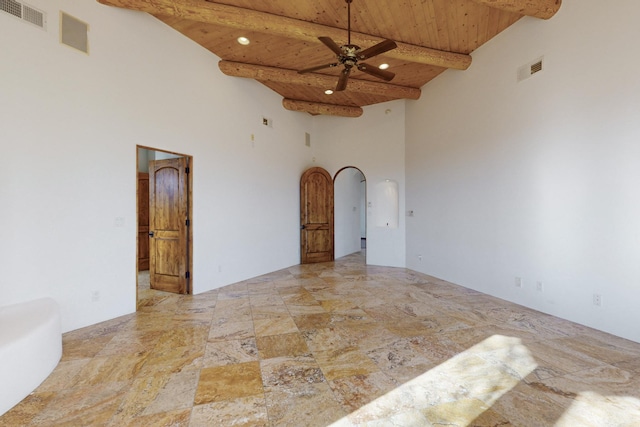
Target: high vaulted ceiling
[432,36]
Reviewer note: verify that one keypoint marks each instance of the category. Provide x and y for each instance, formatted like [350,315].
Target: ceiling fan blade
[328,42]
[376,72]
[318,67]
[382,47]
[344,76]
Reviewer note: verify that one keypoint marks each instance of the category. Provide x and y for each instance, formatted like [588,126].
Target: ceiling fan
[349,54]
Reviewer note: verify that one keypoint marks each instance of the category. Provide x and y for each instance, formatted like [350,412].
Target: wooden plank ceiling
[432,36]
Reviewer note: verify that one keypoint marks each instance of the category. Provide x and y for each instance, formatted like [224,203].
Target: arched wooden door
[316,216]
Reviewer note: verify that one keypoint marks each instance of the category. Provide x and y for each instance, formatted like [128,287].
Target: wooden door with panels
[143,221]
[316,216]
[169,225]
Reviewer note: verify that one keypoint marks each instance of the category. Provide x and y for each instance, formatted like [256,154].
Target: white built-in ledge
[30,348]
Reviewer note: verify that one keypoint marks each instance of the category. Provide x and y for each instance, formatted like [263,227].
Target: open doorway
[165,236]
[350,200]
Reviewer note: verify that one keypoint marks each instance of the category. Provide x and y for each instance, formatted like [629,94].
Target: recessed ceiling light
[383,66]
[328,91]
[243,41]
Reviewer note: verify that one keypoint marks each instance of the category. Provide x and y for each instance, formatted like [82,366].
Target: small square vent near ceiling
[530,69]
[24,12]
[74,32]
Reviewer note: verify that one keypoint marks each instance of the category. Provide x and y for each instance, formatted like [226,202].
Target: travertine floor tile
[555,359]
[608,353]
[325,339]
[111,369]
[172,360]
[345,362]
[313,403]
[266,299]
[24,412]
[337,344]
[248,411]
[220,353]
[231,331]
[527,406]
[64,376]
[128,342]
[290,372]
[274,326]
[90,405]
[179,418]
[307,322]
[282,345]
[401,360]
[229,382]
[357,391]
[269,311]
[604,380]
[176,394]
[83,348]
[299,310]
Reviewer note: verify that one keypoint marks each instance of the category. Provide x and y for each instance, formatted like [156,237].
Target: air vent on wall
[24,12]
[536,67]
[74,32]
[530,69]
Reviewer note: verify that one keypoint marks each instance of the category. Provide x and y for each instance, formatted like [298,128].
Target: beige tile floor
[339,344]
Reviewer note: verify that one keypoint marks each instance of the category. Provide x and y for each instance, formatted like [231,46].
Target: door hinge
[188,222]
[187,275]
[187,170]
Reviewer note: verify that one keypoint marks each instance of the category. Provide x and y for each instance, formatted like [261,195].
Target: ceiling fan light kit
[349,54]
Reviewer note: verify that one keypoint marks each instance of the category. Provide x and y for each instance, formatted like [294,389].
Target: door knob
[151,234]
[302,227]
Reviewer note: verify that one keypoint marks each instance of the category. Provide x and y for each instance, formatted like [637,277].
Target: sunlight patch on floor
[455,392]
[591,409]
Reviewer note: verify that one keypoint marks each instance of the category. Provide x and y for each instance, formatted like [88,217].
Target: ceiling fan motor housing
[349,54]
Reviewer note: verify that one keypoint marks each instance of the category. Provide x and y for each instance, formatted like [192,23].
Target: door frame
[366,216]
[190,215]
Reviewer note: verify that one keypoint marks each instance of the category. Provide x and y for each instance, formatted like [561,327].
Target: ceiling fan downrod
[348,21]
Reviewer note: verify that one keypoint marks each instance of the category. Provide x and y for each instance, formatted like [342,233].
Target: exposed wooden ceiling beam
[251,20]
[543,9]
[321,81]
[317,108]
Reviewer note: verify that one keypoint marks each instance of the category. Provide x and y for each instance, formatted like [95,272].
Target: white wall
[70,125]
[538,179]
[374,143]
[347,211]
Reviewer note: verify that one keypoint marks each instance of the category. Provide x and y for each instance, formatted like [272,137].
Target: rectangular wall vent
[24,12]
[530,69]
[74,32]
[536,67]
[36,17]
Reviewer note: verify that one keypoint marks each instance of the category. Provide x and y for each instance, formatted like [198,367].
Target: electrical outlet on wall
[518,282]
[597,300]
